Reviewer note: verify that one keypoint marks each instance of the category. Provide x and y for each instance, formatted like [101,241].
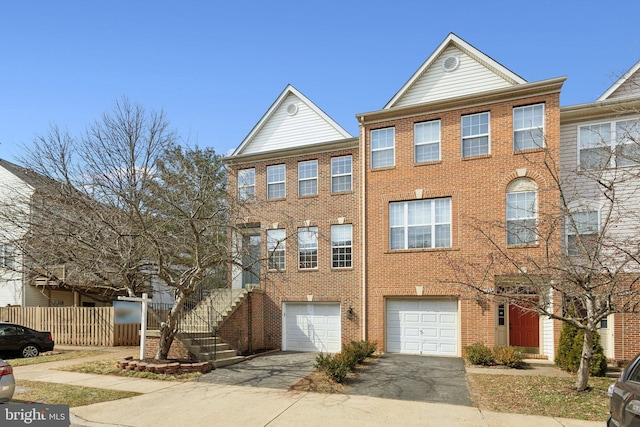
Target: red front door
[523,328]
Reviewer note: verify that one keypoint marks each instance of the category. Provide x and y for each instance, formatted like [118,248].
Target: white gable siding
[628,89]
[435,84]
[283,131]
[10,289]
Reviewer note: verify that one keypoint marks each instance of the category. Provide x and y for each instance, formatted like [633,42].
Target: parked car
[7,382]
[624,397]
[24,341]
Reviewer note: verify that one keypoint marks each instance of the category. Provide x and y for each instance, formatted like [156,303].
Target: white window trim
[281,245]
[432,225]
[488,135]
[338,175]
[392,148]
[522,219]
[614,140]
[570,231]
[242,188]
[530,128]
[284,181]
[342,246]
[313,178]
[316,248]
[439,142]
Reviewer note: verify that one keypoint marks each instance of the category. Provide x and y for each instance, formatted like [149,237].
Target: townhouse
[368,237]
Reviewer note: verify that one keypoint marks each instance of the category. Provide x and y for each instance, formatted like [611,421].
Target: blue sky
[216,67]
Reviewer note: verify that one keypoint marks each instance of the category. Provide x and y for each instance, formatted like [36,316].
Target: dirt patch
[318,382]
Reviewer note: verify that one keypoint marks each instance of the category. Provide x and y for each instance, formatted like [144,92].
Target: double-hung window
[276,249]
[276,176]
[341,246]
[528,127]
[247,184]
[582,232]
[475,135]
[420,224]
[522,213]
[7,256]
[609,144]
[308,248]
[308,178]
[383,147]
[341,174]
[426,141]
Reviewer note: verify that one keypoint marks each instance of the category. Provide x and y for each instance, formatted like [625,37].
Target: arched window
[522,212]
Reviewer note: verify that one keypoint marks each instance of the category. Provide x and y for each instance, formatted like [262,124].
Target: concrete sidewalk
[166,403]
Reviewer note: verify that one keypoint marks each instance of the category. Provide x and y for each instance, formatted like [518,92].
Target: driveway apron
[417,378]
[277,370]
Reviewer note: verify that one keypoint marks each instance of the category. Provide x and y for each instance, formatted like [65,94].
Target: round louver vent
[450,63]
[292,109]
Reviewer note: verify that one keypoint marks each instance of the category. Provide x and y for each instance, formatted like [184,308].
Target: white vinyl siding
[528,127]
[382,147]
[308,178]
[426,327]
[434,84]
[475,135]
[426,141]
[420,224]
[283,131]
[276,178]
[341,170]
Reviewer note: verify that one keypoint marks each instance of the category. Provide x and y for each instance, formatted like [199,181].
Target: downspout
[363,221]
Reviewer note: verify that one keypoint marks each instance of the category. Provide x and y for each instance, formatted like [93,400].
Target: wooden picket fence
[93,326]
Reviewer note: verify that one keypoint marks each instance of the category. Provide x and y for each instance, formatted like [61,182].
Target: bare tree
[583,253]
[120,205]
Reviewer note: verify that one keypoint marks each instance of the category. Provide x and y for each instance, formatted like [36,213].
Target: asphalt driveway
[418,378]
[276,370]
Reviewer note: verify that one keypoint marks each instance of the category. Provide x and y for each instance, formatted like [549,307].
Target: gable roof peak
[453,40]
[327,123]
[614,87]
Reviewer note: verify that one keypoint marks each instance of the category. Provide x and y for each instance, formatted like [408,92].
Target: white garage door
[422,327]
[311,327]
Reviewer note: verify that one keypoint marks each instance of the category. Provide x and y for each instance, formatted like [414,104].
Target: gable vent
[292,109]
[450,63]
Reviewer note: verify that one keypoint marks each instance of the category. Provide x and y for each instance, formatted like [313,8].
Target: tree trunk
[170,328]
[582,380]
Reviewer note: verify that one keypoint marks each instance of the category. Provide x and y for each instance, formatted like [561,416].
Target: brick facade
[477,188]
[324,284]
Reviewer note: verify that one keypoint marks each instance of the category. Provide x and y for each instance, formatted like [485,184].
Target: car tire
[29,350]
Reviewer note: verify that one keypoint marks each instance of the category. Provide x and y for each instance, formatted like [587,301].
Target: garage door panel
[312,327]
[422,327]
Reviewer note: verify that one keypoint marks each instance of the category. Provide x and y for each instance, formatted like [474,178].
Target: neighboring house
[603,138]
[297,175]
[17,186]
[459,146]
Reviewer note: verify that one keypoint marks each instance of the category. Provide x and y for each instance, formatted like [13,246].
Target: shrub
[479,354]
[360,349]
[570,351]
[507,356]
[322,361]
[338,367]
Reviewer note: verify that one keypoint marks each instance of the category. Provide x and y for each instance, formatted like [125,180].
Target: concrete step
[226,362]
[224,354]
